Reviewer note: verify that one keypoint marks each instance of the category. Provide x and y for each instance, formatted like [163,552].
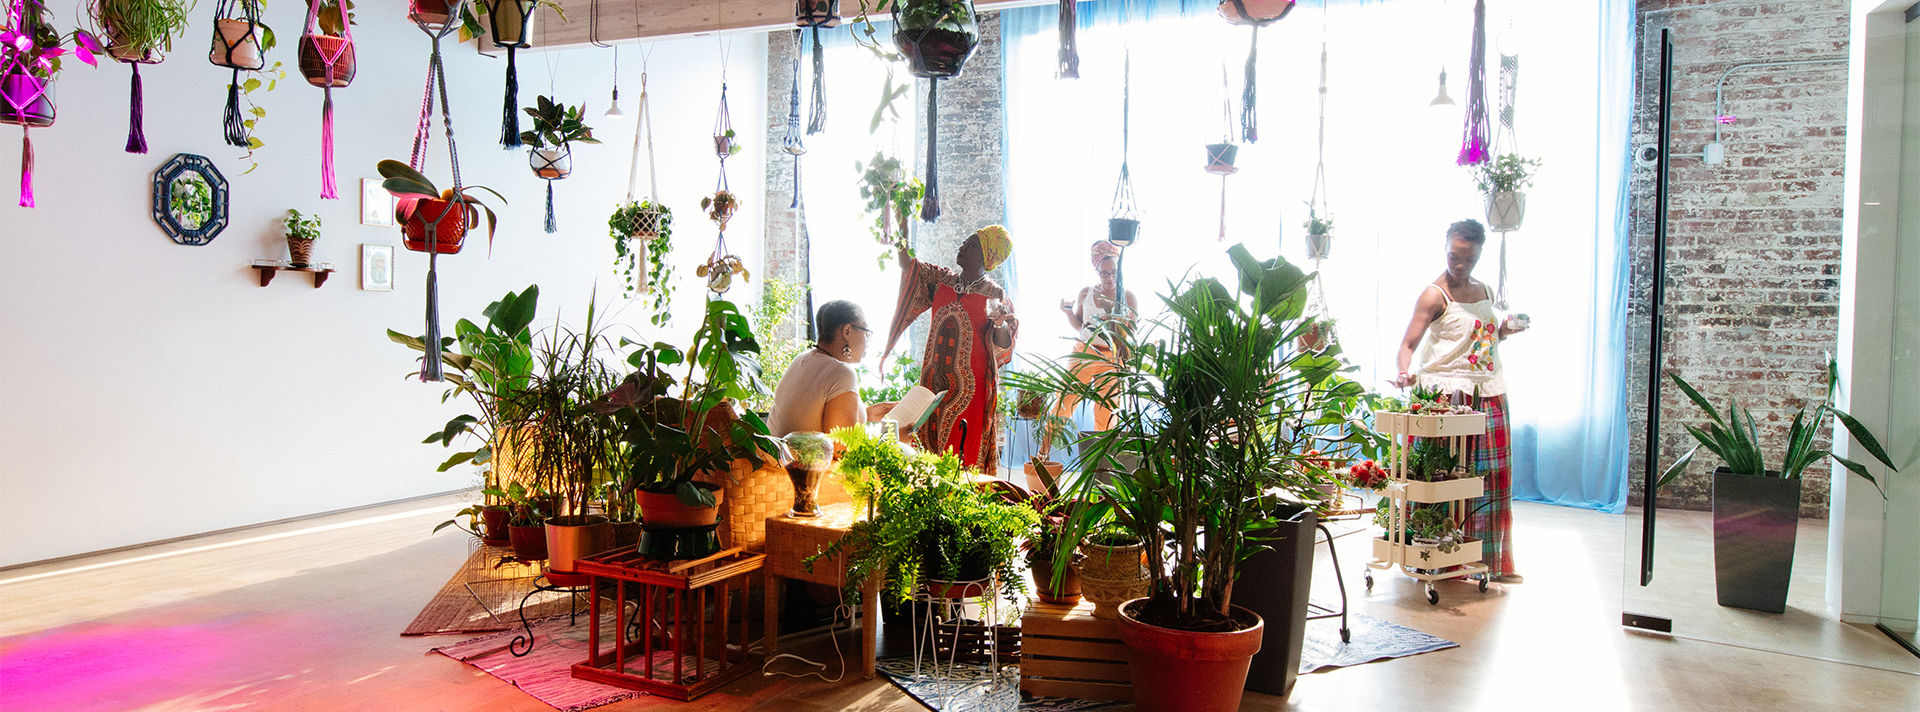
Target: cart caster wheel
[1433,598]
[1483,584]
[1346,635]
[1369,582]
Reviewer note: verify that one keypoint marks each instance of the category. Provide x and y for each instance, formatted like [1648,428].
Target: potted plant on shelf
[934,526]
[1219,410]
[301,232]
[556,127]
[1756,511]
[642,239]
[1502,180]
[1319,235]
[426,210]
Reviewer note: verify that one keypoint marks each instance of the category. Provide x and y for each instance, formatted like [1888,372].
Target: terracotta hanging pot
[236,44]
[1181,671]
[432,13]
[1254,12]
[1220,158]
[33,96]
[419,218]
[1066,593]
[314,49]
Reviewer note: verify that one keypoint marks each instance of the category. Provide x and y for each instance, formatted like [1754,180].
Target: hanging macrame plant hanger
[27,101]
[1069,40]
[457,209]
[1474,141]
[1221,156]
[1506,141]
[816,15]
[136,100]
[795,144]
[1320,245]
[327,62]
[1257,15]
[1123,226]
[512,23]
[229,53]
[647,220]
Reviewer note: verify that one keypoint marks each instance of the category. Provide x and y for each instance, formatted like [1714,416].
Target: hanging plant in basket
[138,32]
[30,52]
[642,239]
[240,42]
[719,271]
[327,61]
[936,36]
[510,24]
[892,198]
[816,15]
[556,127]
[720,207]
[1319,235]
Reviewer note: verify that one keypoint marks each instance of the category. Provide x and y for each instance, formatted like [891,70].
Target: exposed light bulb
[1442,99]
[613,107]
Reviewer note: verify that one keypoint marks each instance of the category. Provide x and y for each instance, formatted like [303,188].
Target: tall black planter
[1755,520]
[1275,584]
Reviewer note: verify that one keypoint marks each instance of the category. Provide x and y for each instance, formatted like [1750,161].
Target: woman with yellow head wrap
[969,340]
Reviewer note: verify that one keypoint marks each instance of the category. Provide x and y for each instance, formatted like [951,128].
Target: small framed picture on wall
[376,268]
[376,204]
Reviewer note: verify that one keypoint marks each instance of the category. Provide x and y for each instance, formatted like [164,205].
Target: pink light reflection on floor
[113,667]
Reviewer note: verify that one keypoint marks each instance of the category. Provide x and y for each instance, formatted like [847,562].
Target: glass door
[1900,555]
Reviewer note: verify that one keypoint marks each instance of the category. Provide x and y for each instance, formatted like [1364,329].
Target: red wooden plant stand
[689,642]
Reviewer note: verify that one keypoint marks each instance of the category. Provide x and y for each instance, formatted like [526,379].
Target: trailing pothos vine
[892,198]
[643,232]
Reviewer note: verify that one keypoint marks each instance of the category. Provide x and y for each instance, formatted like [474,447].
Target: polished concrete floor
[306,615]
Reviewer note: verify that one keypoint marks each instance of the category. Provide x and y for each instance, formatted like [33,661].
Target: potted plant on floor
[934,525]
[426,210]
[1502,180]
[1216,395]
[1756,511]
[301,232]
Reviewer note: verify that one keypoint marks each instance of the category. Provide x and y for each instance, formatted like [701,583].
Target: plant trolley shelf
[1430,561]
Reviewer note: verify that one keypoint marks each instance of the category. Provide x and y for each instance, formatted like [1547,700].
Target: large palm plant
[1216,405]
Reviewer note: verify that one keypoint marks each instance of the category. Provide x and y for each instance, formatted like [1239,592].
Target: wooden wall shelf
[269,268]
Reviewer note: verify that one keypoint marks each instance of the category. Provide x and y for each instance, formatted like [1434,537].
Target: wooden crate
[1066,652]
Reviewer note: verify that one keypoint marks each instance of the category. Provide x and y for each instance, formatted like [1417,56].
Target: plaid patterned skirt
[1493,517]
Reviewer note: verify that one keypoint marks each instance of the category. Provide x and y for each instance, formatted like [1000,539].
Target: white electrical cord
[840,610]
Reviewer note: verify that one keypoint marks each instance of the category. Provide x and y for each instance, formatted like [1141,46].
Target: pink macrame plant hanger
[337,59]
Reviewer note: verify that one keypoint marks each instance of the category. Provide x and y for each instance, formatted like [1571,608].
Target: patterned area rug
[484,596]
[1373,640]
[546,672]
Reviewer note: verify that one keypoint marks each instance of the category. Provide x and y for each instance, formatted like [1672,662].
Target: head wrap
[1103,251]
[995,245]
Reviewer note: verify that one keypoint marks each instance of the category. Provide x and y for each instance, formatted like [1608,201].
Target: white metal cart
[1425,560]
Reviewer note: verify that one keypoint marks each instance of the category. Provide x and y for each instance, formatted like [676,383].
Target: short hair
[832,316]
[1469,230]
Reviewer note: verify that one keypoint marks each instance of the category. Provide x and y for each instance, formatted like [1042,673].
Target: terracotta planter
[1181,671]
[32,94]
[1054,470]
[300,251]
[1316,339]
[1254,12]
[1506,210]
[570,539]
[432,13]
[529,543]
[244,41]
[1067,593]
[512,26]
[493,527]
[666,510]
[936,53]
[314,52]
[418,218]
[1220,158]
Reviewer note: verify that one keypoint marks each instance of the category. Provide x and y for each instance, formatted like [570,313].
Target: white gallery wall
[150,390]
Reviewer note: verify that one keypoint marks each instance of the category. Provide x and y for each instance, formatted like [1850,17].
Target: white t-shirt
[801,398]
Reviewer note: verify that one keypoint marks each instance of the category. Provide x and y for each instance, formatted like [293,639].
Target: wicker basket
[753,494]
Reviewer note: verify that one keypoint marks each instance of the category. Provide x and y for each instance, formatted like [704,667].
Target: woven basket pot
[1108,594]
[1116,563]
[301,251]
[757,490]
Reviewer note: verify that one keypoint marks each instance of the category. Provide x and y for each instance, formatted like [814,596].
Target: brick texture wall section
[1754,243]
[971,145]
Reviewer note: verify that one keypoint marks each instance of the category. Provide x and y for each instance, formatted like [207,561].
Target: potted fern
[1756,510]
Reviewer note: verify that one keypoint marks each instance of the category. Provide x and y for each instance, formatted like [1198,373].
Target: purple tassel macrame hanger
[1474,140]
[930,205]
[1069,40]
[136,119]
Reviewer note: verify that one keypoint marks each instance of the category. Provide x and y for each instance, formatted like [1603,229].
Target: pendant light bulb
[1442,99]
[613,107]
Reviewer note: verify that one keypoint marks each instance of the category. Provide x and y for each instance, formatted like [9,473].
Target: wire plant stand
[957,685]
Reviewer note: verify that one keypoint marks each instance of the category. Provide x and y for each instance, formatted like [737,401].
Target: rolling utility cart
[1422,559]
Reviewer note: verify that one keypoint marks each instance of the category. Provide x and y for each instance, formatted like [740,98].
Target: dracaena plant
[1735,438]
[29,40]
[1218,407]
[411,187]
[555,125]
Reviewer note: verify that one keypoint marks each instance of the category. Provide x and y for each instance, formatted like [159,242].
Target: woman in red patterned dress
[969,338]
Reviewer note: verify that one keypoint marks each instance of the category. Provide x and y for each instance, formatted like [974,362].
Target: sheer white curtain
[1392,184]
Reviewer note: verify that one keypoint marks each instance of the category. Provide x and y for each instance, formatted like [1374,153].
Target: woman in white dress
[1458,336]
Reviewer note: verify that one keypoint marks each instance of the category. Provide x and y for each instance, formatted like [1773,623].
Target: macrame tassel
[236,127]
[795,205]
[552,226]
[819,121]
[26,167]
[1500,297]
[327,180]
[1223,209]
[136,118]
[510,114]
[930,206]
[1474,140]
[1069,43]
[1249,120]
[430,368]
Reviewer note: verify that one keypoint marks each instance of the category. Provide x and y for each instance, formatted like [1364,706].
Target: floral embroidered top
[1461,352]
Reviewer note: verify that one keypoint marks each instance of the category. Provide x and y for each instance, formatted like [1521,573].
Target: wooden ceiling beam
[624,21]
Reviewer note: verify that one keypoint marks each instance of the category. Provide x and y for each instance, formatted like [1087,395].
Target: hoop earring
[846,350]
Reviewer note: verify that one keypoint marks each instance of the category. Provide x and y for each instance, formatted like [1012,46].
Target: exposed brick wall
[1754,243]
[785,249]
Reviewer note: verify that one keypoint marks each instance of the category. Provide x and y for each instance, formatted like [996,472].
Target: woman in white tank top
[1092,314]
[1458,335]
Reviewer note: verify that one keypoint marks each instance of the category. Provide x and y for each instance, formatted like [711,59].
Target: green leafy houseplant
[893,198]
[932,522]
[1210,402]
[779,300]
[1735,439]
[301,227]
[644,231]
[1509,172]
[669,437]
[1317,225]
[493,366]
[556,125]
[135,28]
[27,33]
[558,439]
[530,505]
[894,382]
